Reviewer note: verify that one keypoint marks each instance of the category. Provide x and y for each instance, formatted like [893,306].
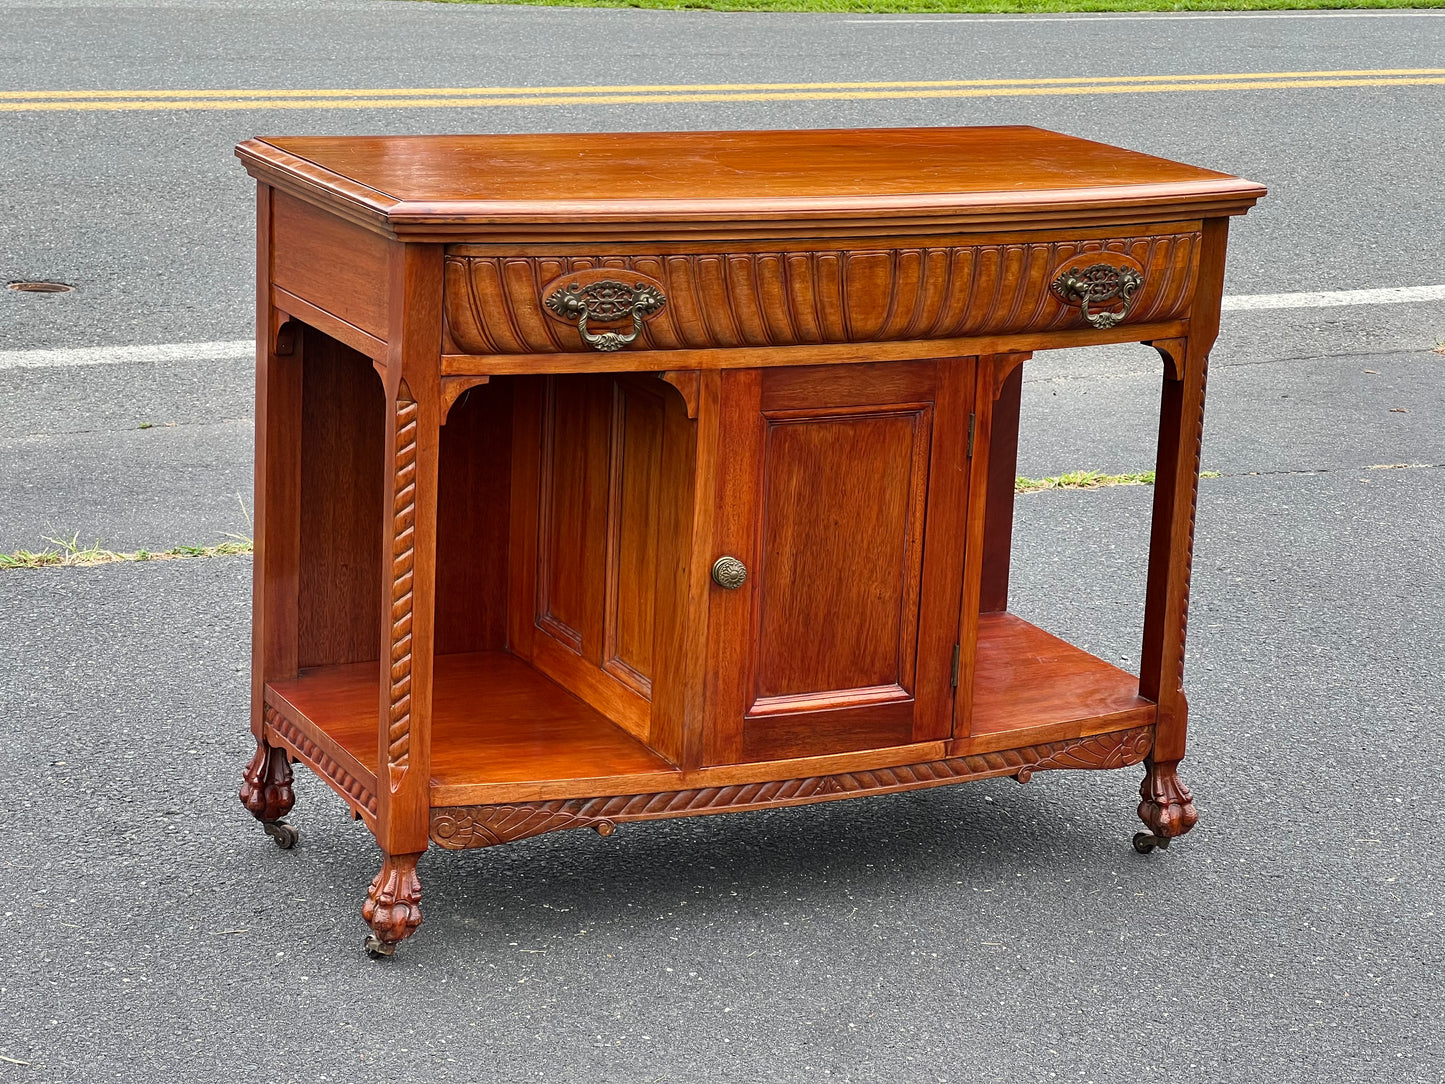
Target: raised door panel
[634,513]
[840,553]
[573,506]
[841,637]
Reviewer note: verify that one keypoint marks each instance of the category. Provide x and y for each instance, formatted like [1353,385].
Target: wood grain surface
[565,183]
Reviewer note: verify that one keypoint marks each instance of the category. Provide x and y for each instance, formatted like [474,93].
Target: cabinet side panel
[999,516]
[474,496]
[331,263]
[679,621]
[343,455]
[527,401]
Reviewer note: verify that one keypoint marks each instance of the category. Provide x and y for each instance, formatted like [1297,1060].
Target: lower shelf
[501,731]
[494,720]
[1029,686]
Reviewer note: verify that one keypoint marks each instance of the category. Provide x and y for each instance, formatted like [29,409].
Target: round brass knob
[729,573]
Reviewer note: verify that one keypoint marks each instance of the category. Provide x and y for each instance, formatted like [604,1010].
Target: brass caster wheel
[284,835]
[1144,842]
[378,949]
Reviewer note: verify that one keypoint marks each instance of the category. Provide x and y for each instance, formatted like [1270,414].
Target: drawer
[530,304]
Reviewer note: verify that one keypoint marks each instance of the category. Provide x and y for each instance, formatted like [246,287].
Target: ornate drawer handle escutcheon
[1095,285]
[729,573]
[606,301]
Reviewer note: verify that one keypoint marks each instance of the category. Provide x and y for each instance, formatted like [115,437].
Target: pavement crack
[139,427]
[1343,355]
[1329,470]
[1216,364]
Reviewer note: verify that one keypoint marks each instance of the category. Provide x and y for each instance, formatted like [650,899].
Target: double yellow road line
[488,97]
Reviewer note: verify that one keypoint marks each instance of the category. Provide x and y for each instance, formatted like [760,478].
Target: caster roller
[1144,842]
[378,949]
[284,835]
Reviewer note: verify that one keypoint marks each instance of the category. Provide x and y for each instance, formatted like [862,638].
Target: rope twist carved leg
[403,564]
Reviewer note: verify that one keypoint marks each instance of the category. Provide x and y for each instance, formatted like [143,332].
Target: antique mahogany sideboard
[605,478]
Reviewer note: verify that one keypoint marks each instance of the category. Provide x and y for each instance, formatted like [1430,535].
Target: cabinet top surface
[995,174]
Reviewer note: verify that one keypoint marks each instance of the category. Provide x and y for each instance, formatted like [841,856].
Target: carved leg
[1167,806]
[393,904]
[266,792]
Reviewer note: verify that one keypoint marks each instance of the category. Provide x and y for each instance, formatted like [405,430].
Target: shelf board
[502,731]
[1029,687]
[531,729]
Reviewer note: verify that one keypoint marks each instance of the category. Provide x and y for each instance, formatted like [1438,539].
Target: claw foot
[266,790]
[393,904]
[1167,807]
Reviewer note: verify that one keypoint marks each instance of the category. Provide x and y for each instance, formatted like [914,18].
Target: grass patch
[69,553]
[977,7]
[1090,479]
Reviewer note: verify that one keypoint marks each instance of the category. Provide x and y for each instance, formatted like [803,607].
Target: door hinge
[955,664]
[972,419]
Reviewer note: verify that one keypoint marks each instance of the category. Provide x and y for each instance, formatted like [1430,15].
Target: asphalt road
[988,931]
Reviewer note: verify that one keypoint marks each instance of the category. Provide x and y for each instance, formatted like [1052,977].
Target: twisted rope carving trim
[403,563]
[351,788]
[462,827]
[1198,437]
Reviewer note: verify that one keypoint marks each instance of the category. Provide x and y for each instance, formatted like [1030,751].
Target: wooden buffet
[604,478]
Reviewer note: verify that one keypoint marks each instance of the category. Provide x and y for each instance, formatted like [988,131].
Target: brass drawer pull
[1098,284]
[606,301]
[729,573]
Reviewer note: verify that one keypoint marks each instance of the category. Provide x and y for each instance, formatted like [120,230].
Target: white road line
[122,355]
[1085,17]
[244,348]
[1393,295]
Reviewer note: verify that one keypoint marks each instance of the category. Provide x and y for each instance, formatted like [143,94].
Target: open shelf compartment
[494,720]
[497,722]
[1029,687]
[544,684]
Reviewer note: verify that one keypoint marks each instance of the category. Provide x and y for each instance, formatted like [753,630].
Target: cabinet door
[842,489]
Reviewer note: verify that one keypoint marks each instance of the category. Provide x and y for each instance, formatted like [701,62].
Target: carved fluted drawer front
[499,304]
